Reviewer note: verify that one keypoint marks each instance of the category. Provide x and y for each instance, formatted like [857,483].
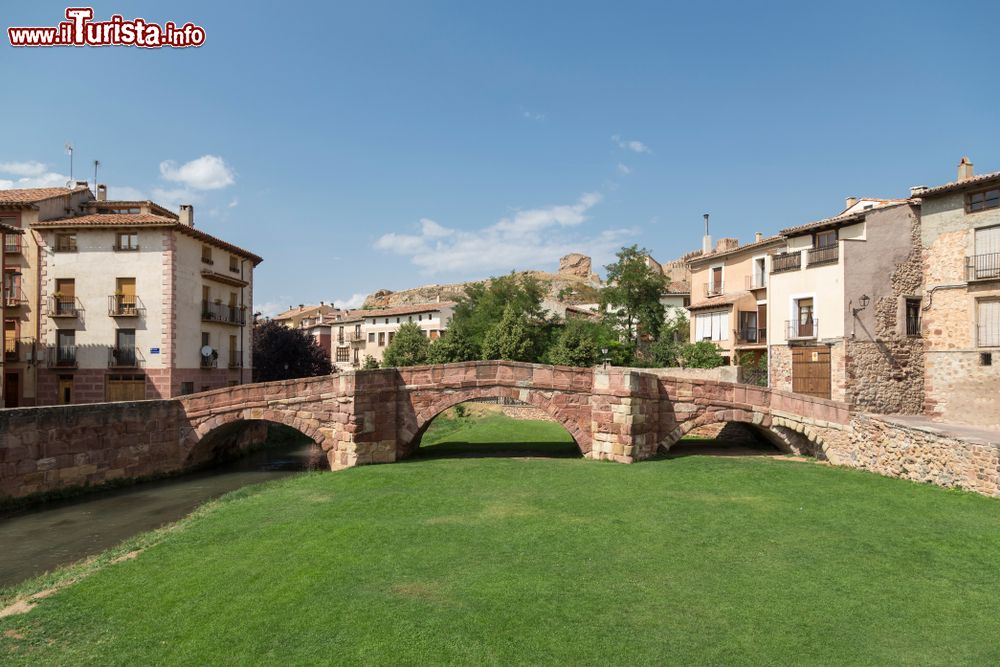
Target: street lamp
[864,301]
[604,354]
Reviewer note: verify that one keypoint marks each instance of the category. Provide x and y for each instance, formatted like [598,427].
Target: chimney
[187,215]
[849,202]
[758,237]
[82,184]
[102,192]
[706,240]
[918,190]
[964,169]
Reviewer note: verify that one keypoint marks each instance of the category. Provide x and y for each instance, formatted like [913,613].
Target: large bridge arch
[783,437]
[235,430]
[576,421]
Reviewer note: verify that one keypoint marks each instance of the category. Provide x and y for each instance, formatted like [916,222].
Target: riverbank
[690,560]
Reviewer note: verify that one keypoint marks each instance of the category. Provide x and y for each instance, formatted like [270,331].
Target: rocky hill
[574,283]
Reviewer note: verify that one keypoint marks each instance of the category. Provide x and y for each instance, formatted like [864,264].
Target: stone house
[11,296]
[122,300]
[845,294]
[729,297]
[960,242]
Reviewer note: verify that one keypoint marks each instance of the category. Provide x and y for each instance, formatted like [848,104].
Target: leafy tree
[510,338]
[631,300]
[454,345]
[703,354]
[580,342]
[666,350]
[483,306]
[369,363]
[280,353]
[409,347]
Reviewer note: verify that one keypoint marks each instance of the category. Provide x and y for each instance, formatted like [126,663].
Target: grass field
[693,560]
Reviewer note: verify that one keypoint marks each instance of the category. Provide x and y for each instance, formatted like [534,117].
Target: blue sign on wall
[154,350]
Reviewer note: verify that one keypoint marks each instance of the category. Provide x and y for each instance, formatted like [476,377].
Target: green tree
[631,300]
[703,354]
[409,347]
[510,338]
[454,345]
[579,343]
[483,305]
[666,350]
[280,353]
[369,363]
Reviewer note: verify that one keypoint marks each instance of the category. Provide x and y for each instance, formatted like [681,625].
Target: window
[420,318]
[397,320]
[985,264]
[985,358]
[913,317]
[206,254]
[391,335]
[981,201]
[759,272]
[825,239]
[234,353]
[804,324]
[357,356]
[712,326]
[66,242]
[127,241]
[124,351]
[988,322]
[234,264]
[64,298]
[205,338]
[748,326]
[381,339]
[409,318]
[387,320]
[371,337]
[65,347]
[343,354]
[187,388]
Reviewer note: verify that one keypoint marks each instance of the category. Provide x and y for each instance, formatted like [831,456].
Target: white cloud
[209,172]
[356,301]
[624,169]
[531,238]
[234,203]
[47,179]
[532,115]
[631,145]
[269,308]
[172,198]
[29,168]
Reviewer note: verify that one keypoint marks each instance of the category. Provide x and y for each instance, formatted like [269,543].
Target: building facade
[306,316]
[960,242]
[729,298]
[12,297]
[125,300]
[845,293]
[378,327]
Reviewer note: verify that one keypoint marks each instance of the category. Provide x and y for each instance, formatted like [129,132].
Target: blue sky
[385,145]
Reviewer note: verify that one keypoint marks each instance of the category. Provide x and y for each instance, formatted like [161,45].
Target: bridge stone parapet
[378,416]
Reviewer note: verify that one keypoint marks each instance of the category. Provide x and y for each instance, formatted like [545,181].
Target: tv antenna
[97,163]
[69,151]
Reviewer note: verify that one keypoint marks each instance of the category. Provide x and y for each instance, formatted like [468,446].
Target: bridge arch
[234,431]
[786,436]
[552,403]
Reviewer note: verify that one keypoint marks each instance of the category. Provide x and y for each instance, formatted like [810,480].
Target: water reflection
[36,541]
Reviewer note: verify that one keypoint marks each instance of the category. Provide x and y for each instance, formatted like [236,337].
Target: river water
[38,540]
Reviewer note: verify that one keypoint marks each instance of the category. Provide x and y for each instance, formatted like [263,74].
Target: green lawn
[692,560]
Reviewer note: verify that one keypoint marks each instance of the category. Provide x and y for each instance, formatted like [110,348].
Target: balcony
[219,312]
[751,336]
[62,356]
[124,305]
[124,357]
[13,297]
[788,261]
[19,350]
[983,267]
[12,244]
[797,330]
[61,306]
[210,362]
[715,289]
[756,282]
[827,255]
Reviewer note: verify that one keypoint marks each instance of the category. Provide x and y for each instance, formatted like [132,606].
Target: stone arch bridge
[616,414]
[378,416]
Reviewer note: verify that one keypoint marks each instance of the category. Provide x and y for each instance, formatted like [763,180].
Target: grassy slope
[500,561]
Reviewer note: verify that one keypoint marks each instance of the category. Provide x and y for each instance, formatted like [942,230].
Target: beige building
[378,327]
[960,241]
[306,316]
[730,296]
[843,295]
[125,300]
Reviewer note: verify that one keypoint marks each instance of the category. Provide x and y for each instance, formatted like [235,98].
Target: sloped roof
[842,219]
[33,195]
[411,309]
[955,186]
[722,300]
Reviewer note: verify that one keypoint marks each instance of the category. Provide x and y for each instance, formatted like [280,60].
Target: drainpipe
[930,292]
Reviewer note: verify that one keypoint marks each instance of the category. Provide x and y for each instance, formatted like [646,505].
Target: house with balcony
[729,297]
[12,297]
[845,295]
[124,300]
[303,315]
[960,311]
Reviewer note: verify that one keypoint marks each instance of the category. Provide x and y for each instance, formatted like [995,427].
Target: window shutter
[989,323]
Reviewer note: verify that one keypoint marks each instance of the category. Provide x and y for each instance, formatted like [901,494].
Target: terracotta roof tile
[843,218]
[723,300]
[325,308]
[975,181]
[403,310]
[712,256]
[33,195]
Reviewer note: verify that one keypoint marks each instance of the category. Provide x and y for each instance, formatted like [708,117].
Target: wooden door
[125,388]
[65,389]
[811,371]
[762,323]
[11,389]
[66,301]
[126,295]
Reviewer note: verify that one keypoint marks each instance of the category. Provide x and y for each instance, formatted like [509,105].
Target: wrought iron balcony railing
[12,243]
[62,356]
[124,357]
[209,362]
[788,261]
[799,330]
[124,305]
[984,267]
[715,289]
[14,297]
[751,335]
[827,255]
[219,312]
[61,306]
